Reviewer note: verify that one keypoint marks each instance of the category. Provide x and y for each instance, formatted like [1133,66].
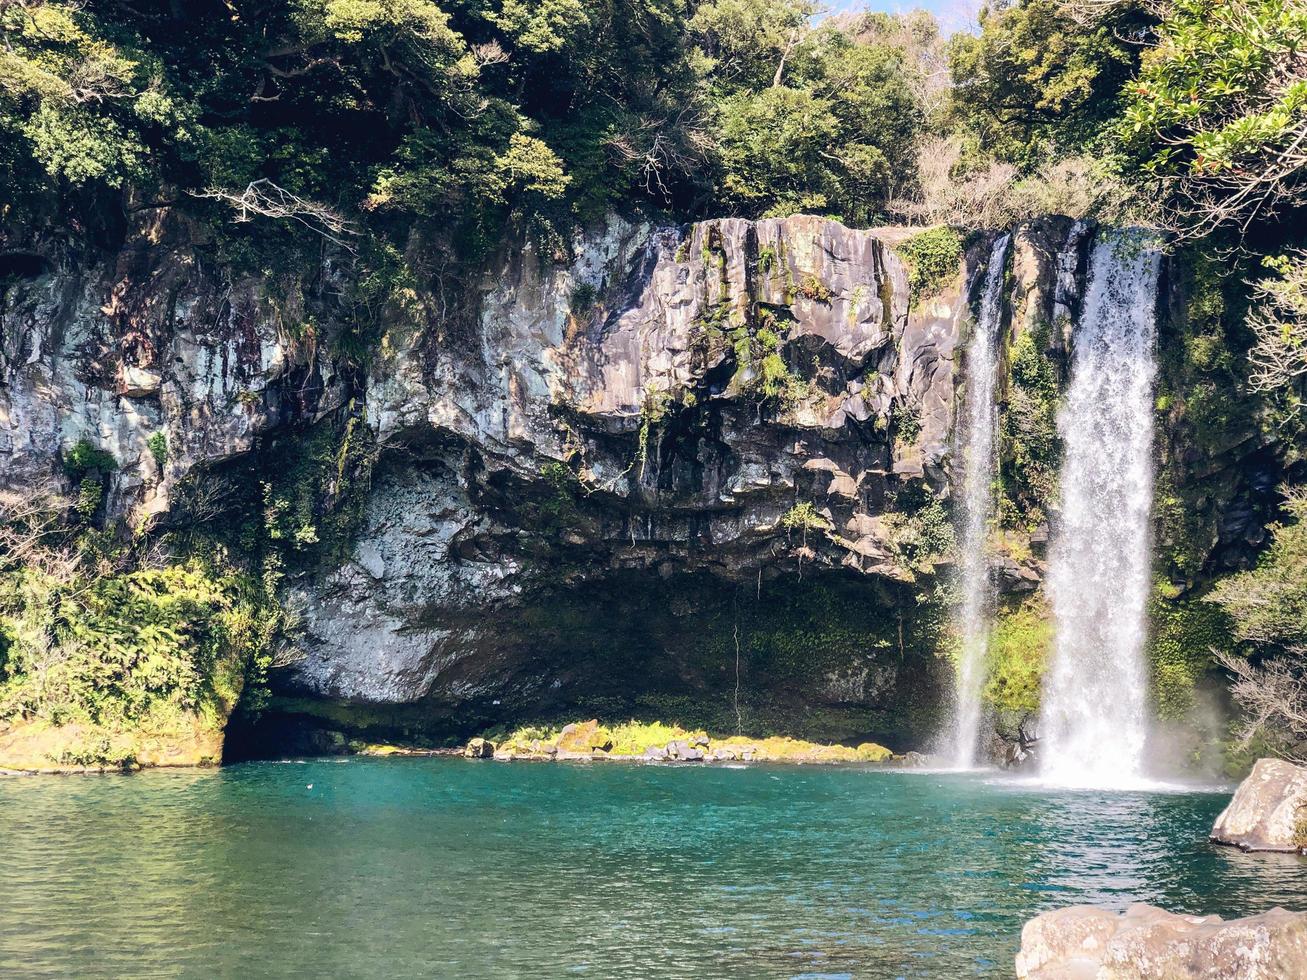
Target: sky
[953,15]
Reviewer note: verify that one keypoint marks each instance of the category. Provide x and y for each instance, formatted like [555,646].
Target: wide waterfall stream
[1094,718]
[977,444]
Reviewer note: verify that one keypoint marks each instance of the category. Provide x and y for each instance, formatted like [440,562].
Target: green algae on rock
[659,742]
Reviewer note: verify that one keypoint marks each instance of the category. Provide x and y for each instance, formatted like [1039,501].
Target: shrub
[84,457]
[158,444]
[803,516]
[932,258]
[814,289]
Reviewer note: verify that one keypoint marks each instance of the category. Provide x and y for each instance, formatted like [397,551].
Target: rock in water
[479,748]
[1267,812]
[1145,942]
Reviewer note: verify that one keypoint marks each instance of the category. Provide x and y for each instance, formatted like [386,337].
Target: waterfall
[976,503]
[1094,716]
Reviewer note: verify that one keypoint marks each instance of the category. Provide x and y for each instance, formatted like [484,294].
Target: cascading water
[977,441]
[1094,718]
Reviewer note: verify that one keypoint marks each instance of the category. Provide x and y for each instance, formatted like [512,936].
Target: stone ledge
[1085,942]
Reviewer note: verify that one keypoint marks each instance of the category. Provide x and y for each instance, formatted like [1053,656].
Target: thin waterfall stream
[976,503]
[1094,716]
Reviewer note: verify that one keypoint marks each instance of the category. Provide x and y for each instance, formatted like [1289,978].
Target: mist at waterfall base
[977,448]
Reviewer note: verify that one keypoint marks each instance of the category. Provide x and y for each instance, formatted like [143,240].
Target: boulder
[584,737]
[1145,942]
[655,753]
[682,751]
[1267,811]
[479,748]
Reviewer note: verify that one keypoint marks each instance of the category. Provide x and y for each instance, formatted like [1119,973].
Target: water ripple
[442,867]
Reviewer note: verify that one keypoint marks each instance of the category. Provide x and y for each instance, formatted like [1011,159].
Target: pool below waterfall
[452,868]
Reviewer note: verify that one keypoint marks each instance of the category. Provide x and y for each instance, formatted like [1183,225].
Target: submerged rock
[913,760]
[1146,942]
[1267,812]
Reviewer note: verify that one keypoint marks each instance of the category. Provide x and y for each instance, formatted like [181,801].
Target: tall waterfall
[977,443]
[1094,715]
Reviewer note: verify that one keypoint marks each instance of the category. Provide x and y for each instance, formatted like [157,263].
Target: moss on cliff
[1030,450]
[1019,646]
[1208,420]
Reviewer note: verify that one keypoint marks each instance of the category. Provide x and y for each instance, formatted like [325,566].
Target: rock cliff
[736,435]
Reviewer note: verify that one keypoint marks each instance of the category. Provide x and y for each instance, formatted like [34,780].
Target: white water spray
[1094,719]
[978,449]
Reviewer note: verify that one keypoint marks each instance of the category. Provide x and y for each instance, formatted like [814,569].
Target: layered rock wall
[632,474]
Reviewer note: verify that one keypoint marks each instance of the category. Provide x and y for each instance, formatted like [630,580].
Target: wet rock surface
[1085,942]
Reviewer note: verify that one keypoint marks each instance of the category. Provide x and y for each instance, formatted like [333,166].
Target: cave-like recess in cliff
[823,654]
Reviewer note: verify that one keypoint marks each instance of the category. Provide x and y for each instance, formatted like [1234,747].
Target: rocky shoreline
[657,743]
[1268,812]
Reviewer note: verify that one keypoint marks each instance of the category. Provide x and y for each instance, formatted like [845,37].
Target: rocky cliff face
[704,465]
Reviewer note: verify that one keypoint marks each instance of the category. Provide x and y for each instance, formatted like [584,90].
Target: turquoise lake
[453,868]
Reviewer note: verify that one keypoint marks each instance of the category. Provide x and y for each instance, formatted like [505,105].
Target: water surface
[451,868]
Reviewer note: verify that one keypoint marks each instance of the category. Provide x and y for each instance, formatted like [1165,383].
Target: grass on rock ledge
[633,739]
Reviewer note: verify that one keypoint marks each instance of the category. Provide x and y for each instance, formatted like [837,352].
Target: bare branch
[263,198]
[1273,697]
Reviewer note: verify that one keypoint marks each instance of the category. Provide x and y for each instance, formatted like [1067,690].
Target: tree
[807,118]
[1268,606]
[1217,118]
[1278,356]
[1037,82]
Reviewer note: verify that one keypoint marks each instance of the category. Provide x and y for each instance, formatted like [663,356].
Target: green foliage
[803,517]
[814,289]
[905,424]
[583,298]
[1206,408]
[158,443]
[920,530]
[89,494]
[84,458]
[1183,637]
[85,104]
[1037,81]
[313,498]
[1019,645]
[1029,447]
[932,257]
[559,511]
[1278,356]
[1218,111]
[1268,605]
[808,118]
[114,649]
